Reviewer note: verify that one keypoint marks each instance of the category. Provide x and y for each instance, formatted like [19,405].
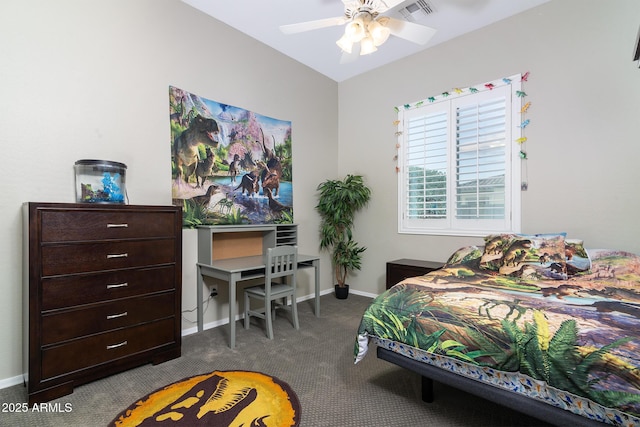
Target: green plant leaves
[338,202]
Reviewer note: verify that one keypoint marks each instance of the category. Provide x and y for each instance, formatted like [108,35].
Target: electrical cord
[205,307]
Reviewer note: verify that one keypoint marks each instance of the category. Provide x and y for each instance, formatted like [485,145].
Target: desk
[233,270]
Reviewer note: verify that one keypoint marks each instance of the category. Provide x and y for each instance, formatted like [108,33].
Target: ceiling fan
[365,27]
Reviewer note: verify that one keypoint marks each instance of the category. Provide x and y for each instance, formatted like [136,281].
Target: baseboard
[225,321]
[364,294]
[10,382]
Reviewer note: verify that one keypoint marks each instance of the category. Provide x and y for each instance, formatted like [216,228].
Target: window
[459,172]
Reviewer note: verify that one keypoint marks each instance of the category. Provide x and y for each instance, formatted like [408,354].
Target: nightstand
[400,269]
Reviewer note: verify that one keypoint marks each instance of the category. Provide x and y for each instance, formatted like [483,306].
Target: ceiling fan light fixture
[367,46]
[366,28]
[378,32]
[345,44]
[355,30]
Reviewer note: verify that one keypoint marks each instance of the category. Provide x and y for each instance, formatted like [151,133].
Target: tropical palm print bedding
[580,335]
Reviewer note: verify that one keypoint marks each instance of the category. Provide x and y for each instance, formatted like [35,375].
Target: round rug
[220,398]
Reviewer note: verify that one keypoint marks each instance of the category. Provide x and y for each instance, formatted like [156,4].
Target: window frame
[447,102]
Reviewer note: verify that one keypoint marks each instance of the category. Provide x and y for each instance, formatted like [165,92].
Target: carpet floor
[317,361]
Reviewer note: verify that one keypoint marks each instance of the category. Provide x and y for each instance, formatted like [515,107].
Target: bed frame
[517,402]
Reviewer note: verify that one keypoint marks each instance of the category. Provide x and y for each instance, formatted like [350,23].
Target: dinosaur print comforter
[574,343]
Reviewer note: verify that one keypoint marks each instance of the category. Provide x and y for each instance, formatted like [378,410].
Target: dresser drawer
[89,320]
[82,225]
[94,350]
[81,258]
[68,291]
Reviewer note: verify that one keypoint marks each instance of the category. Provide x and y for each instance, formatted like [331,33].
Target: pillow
[465,255]
[535,256]
[577,257]
[494,245]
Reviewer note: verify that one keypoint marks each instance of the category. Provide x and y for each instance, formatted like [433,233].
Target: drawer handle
[110,347]
[117,225]
[118,285]
[115,316]
[124,255]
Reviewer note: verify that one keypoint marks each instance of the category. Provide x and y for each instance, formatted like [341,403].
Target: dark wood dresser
[102,292]
[401,269]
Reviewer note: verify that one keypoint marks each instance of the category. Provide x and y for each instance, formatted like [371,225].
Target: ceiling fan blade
[415,33]
[313,25]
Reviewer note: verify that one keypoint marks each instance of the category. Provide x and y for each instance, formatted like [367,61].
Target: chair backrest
[281,261]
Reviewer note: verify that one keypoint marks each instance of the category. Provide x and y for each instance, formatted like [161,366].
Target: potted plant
[338,202]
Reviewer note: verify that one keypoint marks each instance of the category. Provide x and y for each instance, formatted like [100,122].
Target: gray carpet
[317,361]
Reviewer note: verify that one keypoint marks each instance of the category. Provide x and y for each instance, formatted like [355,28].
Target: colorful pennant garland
[521,141]
[396,123]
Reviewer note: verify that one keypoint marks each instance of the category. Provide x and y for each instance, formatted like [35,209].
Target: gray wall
[86,79]
[583,144]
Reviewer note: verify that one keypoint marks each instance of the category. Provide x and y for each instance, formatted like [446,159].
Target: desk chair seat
[281,267]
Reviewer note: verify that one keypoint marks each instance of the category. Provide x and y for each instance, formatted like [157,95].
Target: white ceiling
[317,49]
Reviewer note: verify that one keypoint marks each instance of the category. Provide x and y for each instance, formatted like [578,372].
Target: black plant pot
[342,292]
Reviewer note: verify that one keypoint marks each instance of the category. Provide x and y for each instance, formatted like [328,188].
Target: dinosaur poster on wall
[228,165]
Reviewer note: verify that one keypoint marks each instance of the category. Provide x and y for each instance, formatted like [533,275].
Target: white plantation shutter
[480,158]
[427,160]
[459,173]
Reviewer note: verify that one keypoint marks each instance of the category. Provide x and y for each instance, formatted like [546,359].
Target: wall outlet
[214,292]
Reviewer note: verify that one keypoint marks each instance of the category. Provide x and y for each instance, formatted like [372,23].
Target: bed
[535,322]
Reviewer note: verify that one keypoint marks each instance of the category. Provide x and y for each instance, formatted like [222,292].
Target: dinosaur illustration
[513,306]
[272,170]
[560,291]
[204,168]
[495,245]
[516,252]
[205,199]
[275,206]
[201,130]
[226,203]
[249,183]
[233,167]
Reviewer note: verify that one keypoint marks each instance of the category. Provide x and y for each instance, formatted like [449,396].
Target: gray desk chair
[281,266]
